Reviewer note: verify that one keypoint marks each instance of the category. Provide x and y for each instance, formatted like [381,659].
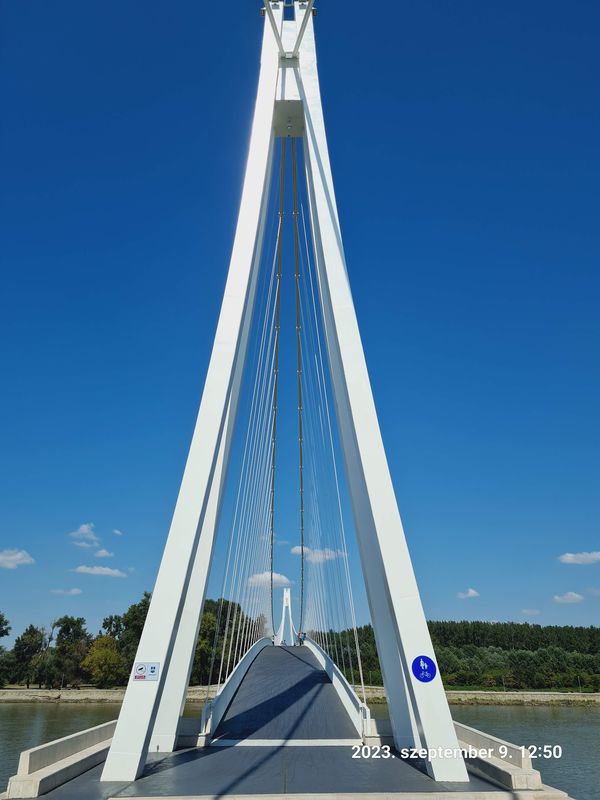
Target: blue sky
[464,141]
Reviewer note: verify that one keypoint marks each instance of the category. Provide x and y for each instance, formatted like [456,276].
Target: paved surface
[220,771]
[286,695]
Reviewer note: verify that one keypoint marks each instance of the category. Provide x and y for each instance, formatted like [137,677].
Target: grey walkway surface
[220,771]
[286,695]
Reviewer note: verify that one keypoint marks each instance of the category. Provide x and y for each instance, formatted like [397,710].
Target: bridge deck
[217,772]
[286,695]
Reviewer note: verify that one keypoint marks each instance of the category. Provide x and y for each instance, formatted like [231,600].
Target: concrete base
[44,780]
[505,775]
[512,771]
[263,764]
[50,765]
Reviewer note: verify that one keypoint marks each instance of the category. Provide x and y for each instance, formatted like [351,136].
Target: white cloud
[315,556]
[71,592]
[530,612]
[113,573]
[117,532]
[580,558]
[568,597]
[468,594]
[130,569]
[264,579]
[103,553]
[85,533]
[11,559]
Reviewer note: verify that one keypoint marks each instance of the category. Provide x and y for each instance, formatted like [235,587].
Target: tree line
[484,655]
[493,655]
[66,655]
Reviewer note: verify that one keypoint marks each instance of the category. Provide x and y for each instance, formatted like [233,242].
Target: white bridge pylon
[286,616]
[288,104]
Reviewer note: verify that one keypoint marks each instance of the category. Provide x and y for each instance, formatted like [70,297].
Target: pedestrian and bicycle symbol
[424,669]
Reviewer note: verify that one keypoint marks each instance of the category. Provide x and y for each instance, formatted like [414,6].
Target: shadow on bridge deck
[286,695]
[220,772]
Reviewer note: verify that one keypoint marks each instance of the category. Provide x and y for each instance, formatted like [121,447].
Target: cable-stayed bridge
[284,722]
[290,713]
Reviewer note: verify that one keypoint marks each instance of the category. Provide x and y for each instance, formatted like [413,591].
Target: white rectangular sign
[145,671]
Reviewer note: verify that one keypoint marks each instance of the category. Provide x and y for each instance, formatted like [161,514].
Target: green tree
[72,644]
[126,629]
[44,664]
[105,663]
[221,623]
[8,667]
[27,646]
[4,625]
[5,658]
[554,658]
[448,661]
[113,625]
[515,636]
[204,649]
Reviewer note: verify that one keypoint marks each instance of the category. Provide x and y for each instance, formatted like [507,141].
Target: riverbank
[374,694]
[523,698]
[87,694]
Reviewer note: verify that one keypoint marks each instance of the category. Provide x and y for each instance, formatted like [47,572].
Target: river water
[575,728]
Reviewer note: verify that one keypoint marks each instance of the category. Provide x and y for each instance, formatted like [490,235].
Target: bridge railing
[213,710]
[358,711]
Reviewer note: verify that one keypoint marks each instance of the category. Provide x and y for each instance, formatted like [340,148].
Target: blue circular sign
[424,669]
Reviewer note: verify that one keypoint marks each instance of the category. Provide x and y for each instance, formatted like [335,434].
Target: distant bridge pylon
[286,617]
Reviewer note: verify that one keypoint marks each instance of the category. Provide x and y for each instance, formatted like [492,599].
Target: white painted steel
[129,749]
[406,731]
[172,701]
[306,16]
[275,24]
[396,609]
[358,711]
[213,711]
[286,616]
[419,712]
